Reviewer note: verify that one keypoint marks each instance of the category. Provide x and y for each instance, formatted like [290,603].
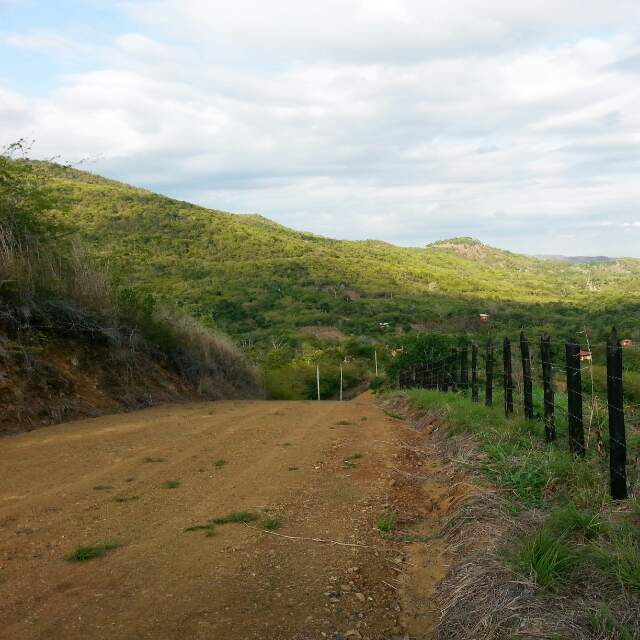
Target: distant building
[396,352]
[626,342]
[585,355]
[484,317]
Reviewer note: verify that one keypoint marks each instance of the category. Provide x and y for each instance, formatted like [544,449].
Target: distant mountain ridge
[574,259]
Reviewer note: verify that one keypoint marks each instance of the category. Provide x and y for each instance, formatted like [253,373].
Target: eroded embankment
[47,377]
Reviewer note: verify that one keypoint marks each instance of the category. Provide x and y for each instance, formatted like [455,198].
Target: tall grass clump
[545,559]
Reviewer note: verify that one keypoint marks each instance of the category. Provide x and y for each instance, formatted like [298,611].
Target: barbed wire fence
[450,373]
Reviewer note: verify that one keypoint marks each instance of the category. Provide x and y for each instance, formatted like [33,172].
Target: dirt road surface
[325,470]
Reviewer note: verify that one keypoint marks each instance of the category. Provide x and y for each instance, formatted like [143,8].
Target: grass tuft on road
[81,554]
[271,523]
[238,516]
[386,522]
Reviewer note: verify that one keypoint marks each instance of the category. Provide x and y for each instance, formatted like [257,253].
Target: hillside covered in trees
[261,281]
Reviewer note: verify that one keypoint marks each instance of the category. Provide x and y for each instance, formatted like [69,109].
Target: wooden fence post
[617,437]
[547,383]
[508,377]
[574,396]
[474,372]
[527,384]
[464,368]
[488,390]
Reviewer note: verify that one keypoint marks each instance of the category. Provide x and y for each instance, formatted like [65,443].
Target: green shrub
[377,383]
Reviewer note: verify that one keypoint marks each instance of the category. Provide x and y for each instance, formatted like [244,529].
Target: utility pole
[340,382]
[318,379]
[375,355]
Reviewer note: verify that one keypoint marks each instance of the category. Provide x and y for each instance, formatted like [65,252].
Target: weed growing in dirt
[80,554]
[349,462]
[102,487]
[129,479]
[545,559]
[219,463]
[294,469]
[170,484]
[386,521]
[271,523]
[343,423]
[201,527]
[147,459]
[239,516]
[125,498]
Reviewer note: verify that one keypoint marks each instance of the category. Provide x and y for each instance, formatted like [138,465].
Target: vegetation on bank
[583,538]
[49,285]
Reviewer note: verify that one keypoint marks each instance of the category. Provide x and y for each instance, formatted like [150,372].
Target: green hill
[261,281]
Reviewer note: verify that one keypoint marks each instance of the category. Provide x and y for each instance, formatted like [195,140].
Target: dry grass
[30,268]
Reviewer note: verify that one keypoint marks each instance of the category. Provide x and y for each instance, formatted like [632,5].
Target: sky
[409,121]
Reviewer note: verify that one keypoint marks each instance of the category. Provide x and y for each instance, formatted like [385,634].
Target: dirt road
[324,470]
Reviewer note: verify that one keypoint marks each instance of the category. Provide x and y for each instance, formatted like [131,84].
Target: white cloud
[405,121]
[52,44]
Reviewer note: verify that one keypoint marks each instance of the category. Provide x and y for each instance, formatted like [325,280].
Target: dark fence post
[574,396]
[488,390]
[617,437]
[527,384]
[508,377]
[464,368]
[547,383]
[474,372]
